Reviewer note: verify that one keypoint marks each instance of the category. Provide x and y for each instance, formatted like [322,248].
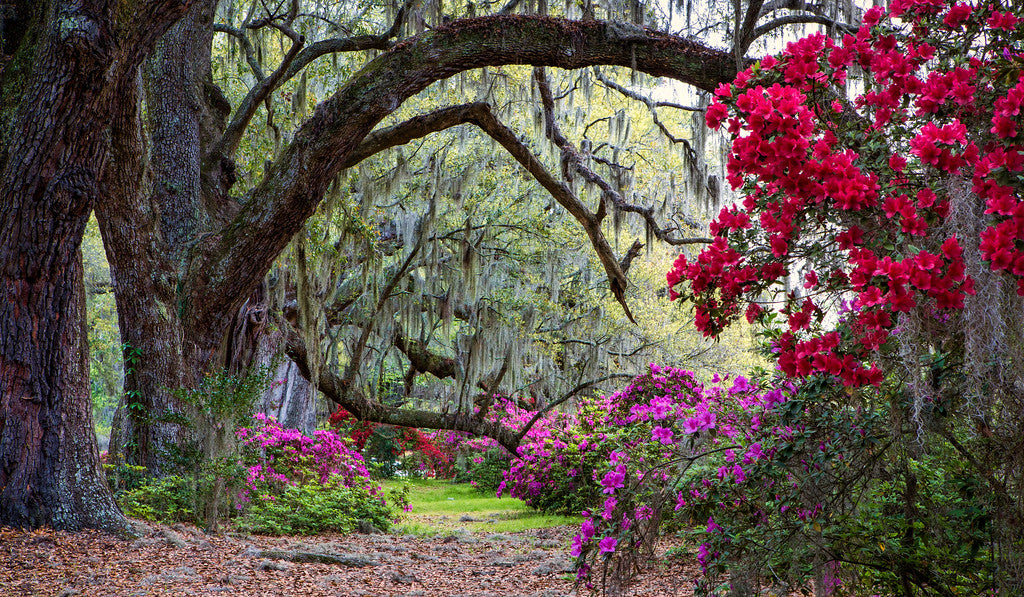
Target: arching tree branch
[340,392]
[227,265]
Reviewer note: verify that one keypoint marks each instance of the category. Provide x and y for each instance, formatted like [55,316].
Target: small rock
[367,528]
[234,579]
[533,556]
[184,530]
[272,565]
[468,518]
[403,579]
[554,566]
[144,542]
[250,552]
[173,539]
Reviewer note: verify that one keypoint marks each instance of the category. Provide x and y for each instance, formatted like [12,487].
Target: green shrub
[180,498]
[485,471]
[171,499]
[314,508]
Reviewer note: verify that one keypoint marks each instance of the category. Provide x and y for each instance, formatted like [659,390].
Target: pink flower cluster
[665,417]
[277,457]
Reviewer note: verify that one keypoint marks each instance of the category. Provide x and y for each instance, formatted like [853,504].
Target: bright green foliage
[441,507]
[182,498]
[171,499]
[105,364]
[314,508]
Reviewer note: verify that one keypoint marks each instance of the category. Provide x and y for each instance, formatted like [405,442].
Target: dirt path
[182,560]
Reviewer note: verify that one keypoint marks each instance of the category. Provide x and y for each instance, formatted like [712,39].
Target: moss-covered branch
[227,265]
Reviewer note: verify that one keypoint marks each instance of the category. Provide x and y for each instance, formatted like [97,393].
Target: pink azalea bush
[297,483]
[557,466]
[283,457]
[778,485]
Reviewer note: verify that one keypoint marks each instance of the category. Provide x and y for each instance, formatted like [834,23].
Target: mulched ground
[183,560]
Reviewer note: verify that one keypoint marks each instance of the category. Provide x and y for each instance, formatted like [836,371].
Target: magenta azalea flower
[663,435]
[607,545]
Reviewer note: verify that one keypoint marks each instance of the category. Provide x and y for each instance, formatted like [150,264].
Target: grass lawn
[442,507]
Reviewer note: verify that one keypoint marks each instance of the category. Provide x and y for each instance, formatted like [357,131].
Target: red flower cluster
[856,194]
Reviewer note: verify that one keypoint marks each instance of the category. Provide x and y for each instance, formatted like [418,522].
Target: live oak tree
[110,106]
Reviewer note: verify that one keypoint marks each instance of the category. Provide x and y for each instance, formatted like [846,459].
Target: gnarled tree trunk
[58,89]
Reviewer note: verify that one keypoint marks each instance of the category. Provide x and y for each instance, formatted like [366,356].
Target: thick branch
[350,44]
[252,100]
[340,392]
[227,265]
[425,361]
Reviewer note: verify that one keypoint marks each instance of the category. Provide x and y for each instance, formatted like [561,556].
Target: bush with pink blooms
[556,469]
[301,484]
[781,488]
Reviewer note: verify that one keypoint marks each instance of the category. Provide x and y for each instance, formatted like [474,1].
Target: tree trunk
[58,90]
[290,399]
[49,463]
[154,210]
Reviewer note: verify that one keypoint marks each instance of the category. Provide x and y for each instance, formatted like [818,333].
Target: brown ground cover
[183,560]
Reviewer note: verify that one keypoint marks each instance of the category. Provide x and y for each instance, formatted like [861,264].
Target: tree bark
[60,82]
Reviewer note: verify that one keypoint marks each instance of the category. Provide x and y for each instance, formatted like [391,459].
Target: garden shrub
[171,499]
[790,487]
[391,450]
[178,498]
[316,507]
[485,469]
[301,484]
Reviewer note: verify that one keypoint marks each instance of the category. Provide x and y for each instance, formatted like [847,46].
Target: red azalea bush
[413,450]
[857,196]
[442,454]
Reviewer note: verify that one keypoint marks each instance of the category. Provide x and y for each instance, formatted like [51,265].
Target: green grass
[438,506]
